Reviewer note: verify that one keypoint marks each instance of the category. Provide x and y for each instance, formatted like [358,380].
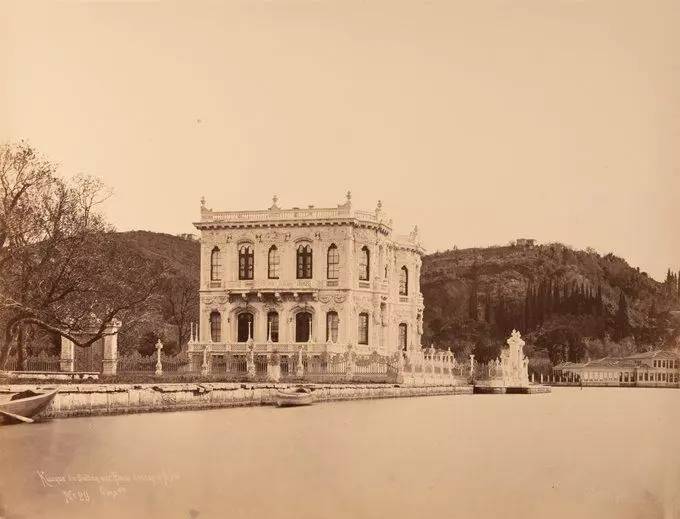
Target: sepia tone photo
[296,259]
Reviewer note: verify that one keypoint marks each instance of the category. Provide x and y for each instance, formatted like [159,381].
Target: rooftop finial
[379,207]
[349,196]
[275,200]
[202,202]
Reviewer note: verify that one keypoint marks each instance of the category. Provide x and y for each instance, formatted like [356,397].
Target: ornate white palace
[312,280]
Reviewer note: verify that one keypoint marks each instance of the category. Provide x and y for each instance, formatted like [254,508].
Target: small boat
[22,407]
[294,396]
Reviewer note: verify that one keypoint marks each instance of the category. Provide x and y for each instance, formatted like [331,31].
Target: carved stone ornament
[215,300]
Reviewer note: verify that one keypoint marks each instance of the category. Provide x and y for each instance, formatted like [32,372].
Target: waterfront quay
[109,399]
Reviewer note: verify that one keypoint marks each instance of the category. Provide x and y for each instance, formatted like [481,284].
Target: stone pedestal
[350,366]
[205,367]
[110,353]
[299,366]
[250,361]
[274,368]
[399,379]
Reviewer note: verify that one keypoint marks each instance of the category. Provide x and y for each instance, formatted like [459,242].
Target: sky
[479,121]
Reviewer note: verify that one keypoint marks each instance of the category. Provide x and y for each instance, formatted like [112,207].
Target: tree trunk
[5,344]
[21,349]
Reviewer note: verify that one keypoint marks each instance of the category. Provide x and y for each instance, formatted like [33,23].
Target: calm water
[600,453]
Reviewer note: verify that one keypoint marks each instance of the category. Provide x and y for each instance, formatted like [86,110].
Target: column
[67,359]
[110,357]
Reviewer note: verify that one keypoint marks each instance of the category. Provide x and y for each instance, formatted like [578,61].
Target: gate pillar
[110,357]
[67,358]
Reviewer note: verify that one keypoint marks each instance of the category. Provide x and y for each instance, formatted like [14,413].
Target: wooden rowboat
[294,396]
[21,407]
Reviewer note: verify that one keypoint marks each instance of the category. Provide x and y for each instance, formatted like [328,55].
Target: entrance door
[303,325]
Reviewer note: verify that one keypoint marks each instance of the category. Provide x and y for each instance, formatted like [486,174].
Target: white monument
[514,365]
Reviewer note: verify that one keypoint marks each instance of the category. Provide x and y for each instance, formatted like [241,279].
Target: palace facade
[659,368]
[329,279]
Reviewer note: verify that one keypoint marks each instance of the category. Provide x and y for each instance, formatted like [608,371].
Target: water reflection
[576,453]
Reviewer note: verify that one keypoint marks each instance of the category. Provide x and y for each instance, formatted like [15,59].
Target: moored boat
[294,396]
[22,407]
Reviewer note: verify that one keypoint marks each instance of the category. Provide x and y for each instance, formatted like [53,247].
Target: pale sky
[480,121]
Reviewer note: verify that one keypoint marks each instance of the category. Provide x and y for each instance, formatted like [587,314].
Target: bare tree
[63,269]
[179,305]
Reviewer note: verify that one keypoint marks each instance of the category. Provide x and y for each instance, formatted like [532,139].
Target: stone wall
[96,399]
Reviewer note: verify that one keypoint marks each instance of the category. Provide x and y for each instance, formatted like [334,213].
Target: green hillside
[568,303]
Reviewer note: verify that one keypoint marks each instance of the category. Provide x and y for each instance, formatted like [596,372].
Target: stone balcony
[278,216]
[241,348]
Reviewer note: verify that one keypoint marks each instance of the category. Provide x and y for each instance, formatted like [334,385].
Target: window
[403,281]
[245,327]
[363,328]
[304,262]
[215,326]
[273,262]
[364,263]
[273,326]
[333,262]
[403,336]
[245,262]
[332,327]
[303,327]
[215,265]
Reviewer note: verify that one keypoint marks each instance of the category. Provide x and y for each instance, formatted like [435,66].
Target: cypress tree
[599,305]
[622,324]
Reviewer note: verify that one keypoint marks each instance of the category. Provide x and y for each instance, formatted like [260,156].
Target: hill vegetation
[569,304]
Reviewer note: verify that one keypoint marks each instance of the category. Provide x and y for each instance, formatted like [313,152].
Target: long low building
[659,368]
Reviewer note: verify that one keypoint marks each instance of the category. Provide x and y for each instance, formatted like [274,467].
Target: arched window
[403,336]
[332,322]
[215,326]
[273,326]
[303,327]
[363,328]
[364,264]
[245,326]
[273,262]
[333,262]
[304,262]
[403,281]
[245,262]
[215,265]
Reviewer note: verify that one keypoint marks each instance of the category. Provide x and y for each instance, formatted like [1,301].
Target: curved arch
[364,263]
[363,322]
[273,326]
[215,326]
[332,262]
[304,261]
[403,336]
[245,324]
[215,264]
[332,326]
[303,326]
[246,261]
[273,262]
[403,281]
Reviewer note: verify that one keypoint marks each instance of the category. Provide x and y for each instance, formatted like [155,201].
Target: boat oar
[17,416]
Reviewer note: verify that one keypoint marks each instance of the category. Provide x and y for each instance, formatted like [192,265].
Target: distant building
[188,236]
[525,242]
[658,368]
[323,278]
